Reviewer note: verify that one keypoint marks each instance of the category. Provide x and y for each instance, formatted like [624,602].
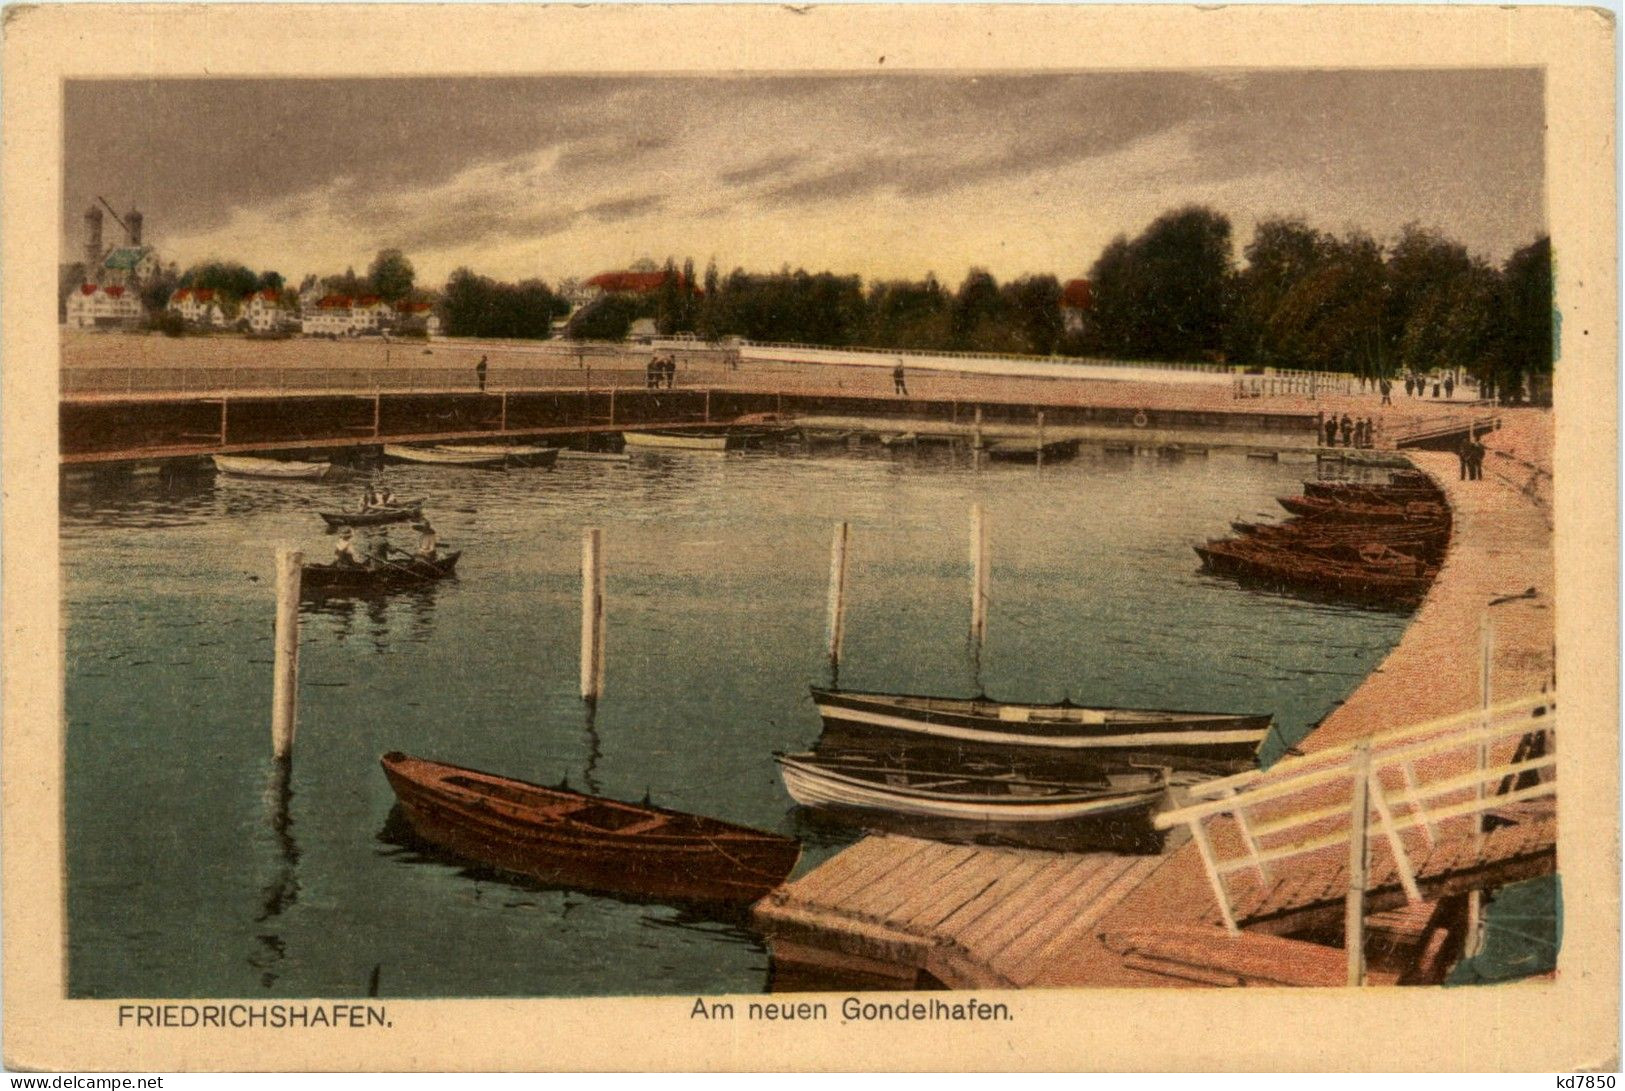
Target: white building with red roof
[200,306]
[264,311]
[111,306]
[409,313]
[371,313]
[329,317]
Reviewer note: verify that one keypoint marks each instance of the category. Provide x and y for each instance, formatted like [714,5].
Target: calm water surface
[193,872]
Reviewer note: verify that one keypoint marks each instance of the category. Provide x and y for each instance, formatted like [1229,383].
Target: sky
[883,176]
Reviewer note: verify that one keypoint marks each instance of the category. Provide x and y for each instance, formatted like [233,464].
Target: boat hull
[718,863]
[327,579]
[513,455]
[1044,733]
[1098,818]
[374,517]
[681,441]
[238,466]
[436,457]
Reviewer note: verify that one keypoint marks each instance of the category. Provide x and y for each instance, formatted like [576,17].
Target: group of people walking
[662,371]
[1416,386]
[1355,433]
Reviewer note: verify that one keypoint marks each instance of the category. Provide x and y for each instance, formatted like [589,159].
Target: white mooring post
[285,671]
[978,593]
[1359,859]
[1040,454]
[837,598]
[592,614]
[1475,898]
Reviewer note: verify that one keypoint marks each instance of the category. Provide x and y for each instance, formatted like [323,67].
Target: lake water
[193,872]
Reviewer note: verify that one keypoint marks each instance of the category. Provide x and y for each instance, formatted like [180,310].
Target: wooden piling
[592,614]
[837,597]
[1039,456]
[979,578]
[1359,861]
[285,671]
[976,435]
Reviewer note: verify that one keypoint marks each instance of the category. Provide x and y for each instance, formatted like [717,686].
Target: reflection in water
[718,573]
[589,775]
[278,895]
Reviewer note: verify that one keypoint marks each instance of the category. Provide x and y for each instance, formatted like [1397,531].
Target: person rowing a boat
[428,542]
[344,554]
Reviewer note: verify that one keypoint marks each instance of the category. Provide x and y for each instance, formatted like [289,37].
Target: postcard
[876,537]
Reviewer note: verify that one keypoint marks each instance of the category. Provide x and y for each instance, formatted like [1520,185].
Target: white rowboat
[241,466]
[442,457]
[685,441]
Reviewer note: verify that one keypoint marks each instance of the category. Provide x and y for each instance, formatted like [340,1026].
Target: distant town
[1301,298]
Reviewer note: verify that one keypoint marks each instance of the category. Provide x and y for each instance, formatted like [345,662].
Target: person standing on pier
[1475,460]
[1387,389]
[1449,385]
[899,380]
[671,370]
[1464,455]
[1331,431]
[479,373]
[1346,426]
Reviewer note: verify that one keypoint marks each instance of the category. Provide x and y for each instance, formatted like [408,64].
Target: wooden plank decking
[968,916]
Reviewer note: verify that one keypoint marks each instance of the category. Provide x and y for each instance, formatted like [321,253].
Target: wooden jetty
[901,913]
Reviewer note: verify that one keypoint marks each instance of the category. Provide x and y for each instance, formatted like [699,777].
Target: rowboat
[1357,493]
[241,466]
[374,516]
[1023,450]
[587,842]
[683,441]
[1009,808]
[1051,732]
[1388,579]
[375,575]
[440,456]
[1337,511]
[514,454]
[594,456]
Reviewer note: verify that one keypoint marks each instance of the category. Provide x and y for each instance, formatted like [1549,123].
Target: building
[131,265]
[1077,300]
[371,313]
[103,307]
[264,311]
[410,316]
[330,317]
[199,306]
[625,282]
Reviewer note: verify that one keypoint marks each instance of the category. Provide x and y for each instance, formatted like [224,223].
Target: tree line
[1301,298]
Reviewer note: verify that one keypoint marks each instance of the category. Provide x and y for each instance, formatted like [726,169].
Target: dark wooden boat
[587,842]
[1064,734]
[1426,540]
[1390,580]
[1337,511]
[1026,450]
[375,576]
[372,517]
[950,803]
[1358,493]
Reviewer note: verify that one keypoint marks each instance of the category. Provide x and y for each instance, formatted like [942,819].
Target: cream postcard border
[1564,1024]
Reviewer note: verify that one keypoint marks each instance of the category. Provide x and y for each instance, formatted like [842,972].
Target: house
[129,265]
[626,282]
[111,306]
[199,306]
[371,313]
[1077,300]
[330,317]
[263,310]
[410,316]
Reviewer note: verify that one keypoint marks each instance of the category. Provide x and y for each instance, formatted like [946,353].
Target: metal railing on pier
[1436,781]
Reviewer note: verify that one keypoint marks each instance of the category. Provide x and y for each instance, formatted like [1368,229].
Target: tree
[1033,305]
[349,284]
[390,275]
[1163,295]
[271,281]
[228,278]
[1528,348]
[1282,253]
[608,319]
[157,289]
[477,306]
